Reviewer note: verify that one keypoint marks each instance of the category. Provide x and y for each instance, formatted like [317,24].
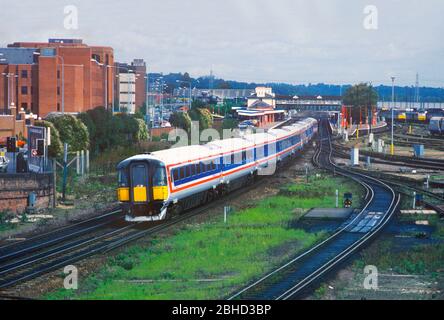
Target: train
[436,126]
[159,185]
[411,116]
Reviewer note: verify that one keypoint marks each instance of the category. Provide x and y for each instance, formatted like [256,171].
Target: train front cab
[142,190]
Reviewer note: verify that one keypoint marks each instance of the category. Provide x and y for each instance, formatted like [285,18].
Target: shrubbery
[71,131]
[107,131]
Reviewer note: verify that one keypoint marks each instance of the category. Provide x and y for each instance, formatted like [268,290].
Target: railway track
[290,280]
[422,163]
[36,256]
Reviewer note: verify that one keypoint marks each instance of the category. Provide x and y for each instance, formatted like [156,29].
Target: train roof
[215,148]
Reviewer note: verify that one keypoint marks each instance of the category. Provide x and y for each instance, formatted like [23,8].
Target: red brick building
[34,74]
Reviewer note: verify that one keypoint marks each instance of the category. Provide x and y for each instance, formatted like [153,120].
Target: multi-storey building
[127,92]
[61,75]
[138,69]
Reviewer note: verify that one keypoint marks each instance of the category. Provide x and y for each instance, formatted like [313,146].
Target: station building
[261,108]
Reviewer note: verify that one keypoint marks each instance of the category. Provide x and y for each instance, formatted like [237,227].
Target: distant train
[411,116]
[436,126]
[157,185]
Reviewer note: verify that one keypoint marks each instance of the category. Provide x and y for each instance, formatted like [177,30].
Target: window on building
[58,74]
[24,90]
[58,106]
[58,91]
[24,73]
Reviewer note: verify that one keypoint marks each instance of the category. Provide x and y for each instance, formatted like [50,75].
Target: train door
[140,182]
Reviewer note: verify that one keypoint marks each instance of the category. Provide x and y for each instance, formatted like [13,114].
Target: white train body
[193,171]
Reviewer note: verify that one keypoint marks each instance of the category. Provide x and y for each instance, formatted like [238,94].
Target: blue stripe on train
[221,167]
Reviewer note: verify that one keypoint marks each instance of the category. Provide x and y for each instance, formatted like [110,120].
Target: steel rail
[343,254]
[61,229]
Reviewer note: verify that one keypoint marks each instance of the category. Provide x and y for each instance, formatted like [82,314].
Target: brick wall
[14,190]
[157,132]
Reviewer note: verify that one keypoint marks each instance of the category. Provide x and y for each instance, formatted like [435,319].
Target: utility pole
[417,90]
[392,146]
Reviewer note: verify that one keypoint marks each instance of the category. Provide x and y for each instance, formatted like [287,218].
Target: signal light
[11,144]
[40,147]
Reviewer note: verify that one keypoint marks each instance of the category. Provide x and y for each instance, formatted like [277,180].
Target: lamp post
[6,75]
[392,146]
[146,100]
[189,96]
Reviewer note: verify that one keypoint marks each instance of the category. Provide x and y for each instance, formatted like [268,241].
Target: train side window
[181,173]
[250,155]
[213,165]
[187,171]
[193,169]
[198,168]
[175,174]
[244,156]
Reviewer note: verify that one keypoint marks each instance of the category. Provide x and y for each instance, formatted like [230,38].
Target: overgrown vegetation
[322,191]
[108,131]
[207,260]
[71,131]
[5,217]
[421,259]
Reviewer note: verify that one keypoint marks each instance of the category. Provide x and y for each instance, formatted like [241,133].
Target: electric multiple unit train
[411,116]
[158,185]
[436,126]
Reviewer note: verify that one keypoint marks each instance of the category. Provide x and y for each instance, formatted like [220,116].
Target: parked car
[3,163]
[246,124]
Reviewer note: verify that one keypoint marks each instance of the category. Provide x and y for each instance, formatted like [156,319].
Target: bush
[72,131]
[230,123]
[181,120]
[107,131]
[202,115]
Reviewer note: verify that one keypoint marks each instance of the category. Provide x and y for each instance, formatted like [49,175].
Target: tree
[99,122]
[230,123]
[181,120]
[142,131]
[361,98]
[196,104]
[223,85]
[203,115]
[56,148]
[72,131]
[186,77]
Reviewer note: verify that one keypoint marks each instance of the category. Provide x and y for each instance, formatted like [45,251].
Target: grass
[5,225]
[211,259]
[420,259]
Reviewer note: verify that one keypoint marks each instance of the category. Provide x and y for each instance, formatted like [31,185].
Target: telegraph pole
[392,146]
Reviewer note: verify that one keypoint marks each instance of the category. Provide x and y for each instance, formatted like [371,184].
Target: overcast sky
[295,41]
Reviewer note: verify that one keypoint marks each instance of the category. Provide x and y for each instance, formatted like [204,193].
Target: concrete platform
[329,213]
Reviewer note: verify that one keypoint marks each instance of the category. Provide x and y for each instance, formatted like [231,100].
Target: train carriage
[436,126]
[157,185]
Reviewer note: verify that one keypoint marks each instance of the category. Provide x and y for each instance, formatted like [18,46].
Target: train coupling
[159,217]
